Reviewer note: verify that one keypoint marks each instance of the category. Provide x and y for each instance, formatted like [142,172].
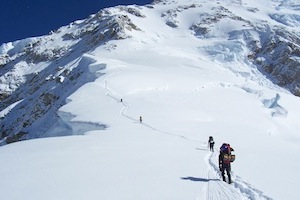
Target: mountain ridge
[272,49]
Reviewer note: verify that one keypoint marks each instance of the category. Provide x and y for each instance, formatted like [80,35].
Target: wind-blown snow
[186,88]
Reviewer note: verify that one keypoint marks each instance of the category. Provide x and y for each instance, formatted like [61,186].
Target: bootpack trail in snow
[126,108]
[215,188]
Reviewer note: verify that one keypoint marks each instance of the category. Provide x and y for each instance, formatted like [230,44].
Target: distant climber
[225,158]
[121,100]
[141,119]
[211,143]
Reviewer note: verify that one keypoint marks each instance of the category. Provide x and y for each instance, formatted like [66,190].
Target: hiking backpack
[225,149]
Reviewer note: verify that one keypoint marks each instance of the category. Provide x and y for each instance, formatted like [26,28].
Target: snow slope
[185,88]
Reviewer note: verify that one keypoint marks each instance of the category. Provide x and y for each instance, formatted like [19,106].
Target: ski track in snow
[239,185]
[214,188]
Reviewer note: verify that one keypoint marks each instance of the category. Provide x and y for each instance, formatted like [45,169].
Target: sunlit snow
[186,88]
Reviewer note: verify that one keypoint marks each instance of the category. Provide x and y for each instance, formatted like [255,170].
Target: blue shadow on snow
[198,179]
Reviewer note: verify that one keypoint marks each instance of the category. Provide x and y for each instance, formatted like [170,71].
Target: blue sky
[27,18]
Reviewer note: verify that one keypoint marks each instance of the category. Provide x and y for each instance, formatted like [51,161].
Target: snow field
[186,89]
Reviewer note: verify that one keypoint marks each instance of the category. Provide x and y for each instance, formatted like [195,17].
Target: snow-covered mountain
[190,68]
[42,72]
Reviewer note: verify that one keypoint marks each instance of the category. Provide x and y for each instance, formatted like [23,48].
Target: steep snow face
[269,30]
[41,72]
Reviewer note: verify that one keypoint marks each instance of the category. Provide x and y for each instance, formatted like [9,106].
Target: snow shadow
[273,104]
[65,126]
[201,149]
[190,178]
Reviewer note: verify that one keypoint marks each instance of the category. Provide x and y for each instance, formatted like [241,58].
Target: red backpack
[226,151]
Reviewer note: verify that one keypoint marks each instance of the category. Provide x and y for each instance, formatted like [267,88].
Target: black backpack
[211,140]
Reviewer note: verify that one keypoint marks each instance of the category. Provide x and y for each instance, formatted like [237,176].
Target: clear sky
[20,19]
